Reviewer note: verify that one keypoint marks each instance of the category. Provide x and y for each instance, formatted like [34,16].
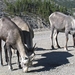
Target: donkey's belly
[60,27]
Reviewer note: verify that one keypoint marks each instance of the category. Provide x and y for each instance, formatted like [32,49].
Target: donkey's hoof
[10,68]
[58,46]
[25,70]
[52,47]
[20,67]
[65,49]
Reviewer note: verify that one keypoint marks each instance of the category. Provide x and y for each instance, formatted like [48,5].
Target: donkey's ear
[34,47]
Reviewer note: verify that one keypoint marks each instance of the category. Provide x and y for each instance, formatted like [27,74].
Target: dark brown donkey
[12,35]
[27,31]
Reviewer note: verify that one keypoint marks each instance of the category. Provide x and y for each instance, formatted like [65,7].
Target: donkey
[12,35]
[62,23]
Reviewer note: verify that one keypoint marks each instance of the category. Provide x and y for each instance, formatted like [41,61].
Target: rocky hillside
[36,22]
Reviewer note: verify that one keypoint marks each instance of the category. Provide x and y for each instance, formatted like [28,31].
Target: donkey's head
[28,58]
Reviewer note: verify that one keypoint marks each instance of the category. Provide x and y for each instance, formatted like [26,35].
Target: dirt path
[47,61]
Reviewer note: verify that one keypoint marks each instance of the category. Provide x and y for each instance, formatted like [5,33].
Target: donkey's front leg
[19,60]
[52,31]
[9,55]
[65,48]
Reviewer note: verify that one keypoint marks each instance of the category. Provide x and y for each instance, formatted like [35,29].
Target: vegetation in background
[66,3]
[42,8]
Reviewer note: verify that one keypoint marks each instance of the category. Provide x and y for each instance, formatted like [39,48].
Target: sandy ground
[47,61]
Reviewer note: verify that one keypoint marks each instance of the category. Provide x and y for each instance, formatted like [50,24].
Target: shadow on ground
[41,49]
[51,60]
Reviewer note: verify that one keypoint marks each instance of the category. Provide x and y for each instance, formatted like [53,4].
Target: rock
[36,22]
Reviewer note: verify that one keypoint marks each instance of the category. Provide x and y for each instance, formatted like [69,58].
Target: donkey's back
[60,20]
[7,28]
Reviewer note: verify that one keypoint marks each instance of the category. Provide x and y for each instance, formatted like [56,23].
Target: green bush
[42,8]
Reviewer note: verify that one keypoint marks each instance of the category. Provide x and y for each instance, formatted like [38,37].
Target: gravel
[47,61]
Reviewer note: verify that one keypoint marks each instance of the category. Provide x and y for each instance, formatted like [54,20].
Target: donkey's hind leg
[6,54]
[56,39]
[1,53]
